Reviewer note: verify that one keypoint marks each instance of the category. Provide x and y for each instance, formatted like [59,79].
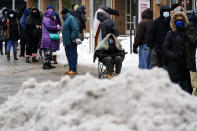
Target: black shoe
[15,56]
[34,59]
[51,66]
[27,60]
[1,53]
[46,67]
[8,56]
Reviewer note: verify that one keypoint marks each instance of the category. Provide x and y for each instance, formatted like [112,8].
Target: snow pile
[137,100]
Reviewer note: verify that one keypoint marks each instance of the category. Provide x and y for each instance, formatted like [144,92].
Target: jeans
[71,54]
[145,57]
[12,43]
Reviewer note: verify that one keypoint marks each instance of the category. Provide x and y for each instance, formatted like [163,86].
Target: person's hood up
[34,9]
[164,8]
[101,16]
[81,9]
[147,14]
[11,12]
[50,7]
[4,10]
[174,18]
[48,13]
[26,12]
[193,16]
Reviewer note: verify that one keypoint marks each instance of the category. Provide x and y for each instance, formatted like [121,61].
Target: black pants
[109,62]
[47,56]
[23,45]
[6,41]
[32,47]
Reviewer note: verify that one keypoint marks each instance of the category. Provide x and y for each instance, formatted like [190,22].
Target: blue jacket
[23,19]
[70,30]
[58,19]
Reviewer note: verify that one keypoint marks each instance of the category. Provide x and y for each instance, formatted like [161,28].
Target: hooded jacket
[174,47]
[103,49]
[107,25]
[158,30]
[191,44]
[49,26]
[30,25]
[23,19]
[13,27]
[143,27]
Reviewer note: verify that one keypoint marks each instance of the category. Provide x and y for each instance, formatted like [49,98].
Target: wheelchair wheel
[102,72]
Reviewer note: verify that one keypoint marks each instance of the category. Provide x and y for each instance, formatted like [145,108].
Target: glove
[135,50]
[77,41]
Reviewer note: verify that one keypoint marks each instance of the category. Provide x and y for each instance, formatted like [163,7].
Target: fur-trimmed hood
[174,18]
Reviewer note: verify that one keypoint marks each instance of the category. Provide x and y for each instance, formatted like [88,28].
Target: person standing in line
[156,36]
[145,53]
[48,45]
[191,49]
[33,33]
[23,33]
[59,23]
[71,37]
[13,33]
[174,52]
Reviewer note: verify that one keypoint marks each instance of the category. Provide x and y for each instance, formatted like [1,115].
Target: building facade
[126,8]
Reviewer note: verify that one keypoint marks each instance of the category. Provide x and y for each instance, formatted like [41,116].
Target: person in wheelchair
[110,52]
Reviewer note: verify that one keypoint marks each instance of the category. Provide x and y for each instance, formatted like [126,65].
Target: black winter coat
[174,54]
[107,25]
[191,46]
[30,26]
[158,30]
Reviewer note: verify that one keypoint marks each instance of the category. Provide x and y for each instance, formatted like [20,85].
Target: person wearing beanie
[174,52]
[71,38]
[191,49]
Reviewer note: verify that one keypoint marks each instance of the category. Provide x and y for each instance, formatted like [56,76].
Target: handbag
[52,36]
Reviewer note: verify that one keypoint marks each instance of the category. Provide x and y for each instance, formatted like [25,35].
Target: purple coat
[51,27]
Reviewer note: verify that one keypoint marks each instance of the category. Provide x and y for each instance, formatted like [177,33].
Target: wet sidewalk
[14,73]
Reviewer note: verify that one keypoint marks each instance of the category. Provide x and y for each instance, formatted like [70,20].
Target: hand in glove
[77,41]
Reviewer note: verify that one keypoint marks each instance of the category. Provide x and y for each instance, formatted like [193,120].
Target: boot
[109,76]
[46,67]
[15,56]
[34,59]
[49,64]
[72,73]
[27,59]
[8,56]
[55,59]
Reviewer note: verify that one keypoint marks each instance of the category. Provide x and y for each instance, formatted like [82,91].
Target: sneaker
[72,73]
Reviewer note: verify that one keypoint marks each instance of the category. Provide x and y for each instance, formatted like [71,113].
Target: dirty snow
[137,100]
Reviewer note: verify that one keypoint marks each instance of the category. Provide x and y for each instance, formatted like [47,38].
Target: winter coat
[3,20]
[13,27]
[49,26]
[104,50]
[173,47]
[30,26]
[70,30]
[23,19]
[81,17]
[107,25]
[158,30]
[142,28]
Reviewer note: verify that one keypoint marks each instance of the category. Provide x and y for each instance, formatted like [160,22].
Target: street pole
[39,5]
[91,26]
[13,4]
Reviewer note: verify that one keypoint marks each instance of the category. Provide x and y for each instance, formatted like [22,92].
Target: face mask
[166,14]
[179,23]
[11,15]
[111,41]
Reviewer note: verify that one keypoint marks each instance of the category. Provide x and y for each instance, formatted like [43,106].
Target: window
[99,3]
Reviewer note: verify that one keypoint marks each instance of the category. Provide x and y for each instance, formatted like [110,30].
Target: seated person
[109,51]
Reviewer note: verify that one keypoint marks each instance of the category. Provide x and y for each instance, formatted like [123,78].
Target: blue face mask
[166,14]
[111,41]
[11,15]
[179,23]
